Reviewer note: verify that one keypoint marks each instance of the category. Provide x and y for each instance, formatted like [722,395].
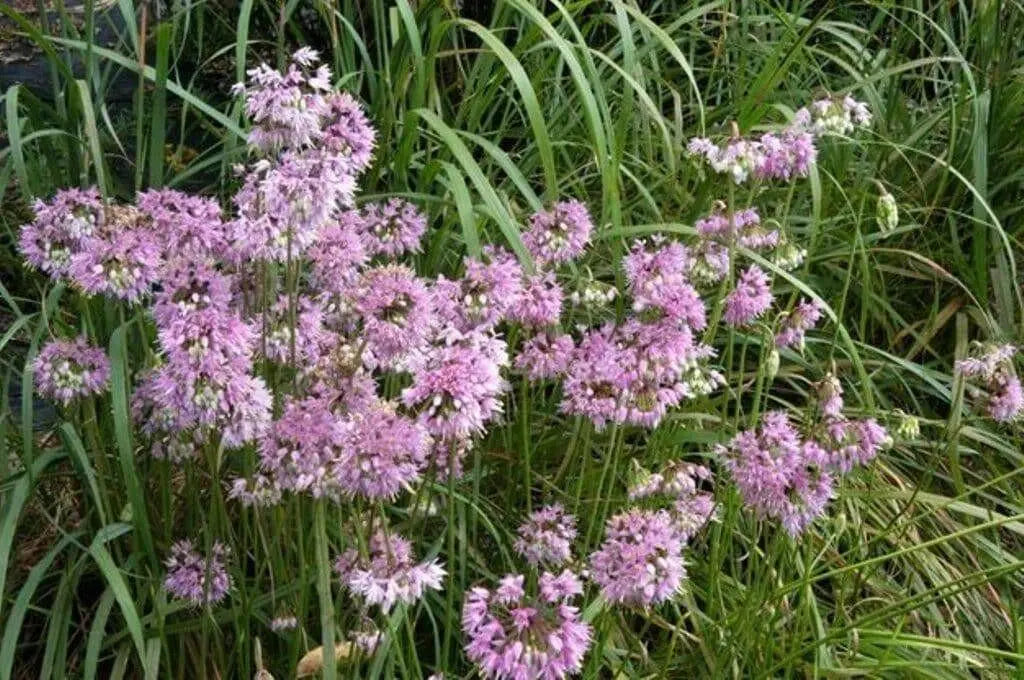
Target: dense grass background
[484,113]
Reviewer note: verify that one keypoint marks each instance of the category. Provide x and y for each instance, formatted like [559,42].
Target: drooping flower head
[349,132]
[780,475]
[199,580]
[483,296]
[186,226]
[286,109]
[339,254]
[388,573]
[657,279]
[69,369]
[795,325]
[833,116]
[744,227]
[540,303]
[559,234]
[514,636]
[751,298]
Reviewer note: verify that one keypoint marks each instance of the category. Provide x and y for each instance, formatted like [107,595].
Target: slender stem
[323,586]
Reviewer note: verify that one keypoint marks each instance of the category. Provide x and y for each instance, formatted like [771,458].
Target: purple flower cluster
[790,478]
[547,536]
[743,227]
[795,325]
[392,228]
[515,636]
[788,153]
[199,580]
[68,369]
[640,562]
[387,573]
[692,506]
[60,228]
[991,368]
[560,234]
[751,298]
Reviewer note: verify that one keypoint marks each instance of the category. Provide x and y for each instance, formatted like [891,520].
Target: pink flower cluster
[788,477]
[547,536]
[66,370]
[198,579]
[387,572]
[788,153]
[514,635]
[991,368]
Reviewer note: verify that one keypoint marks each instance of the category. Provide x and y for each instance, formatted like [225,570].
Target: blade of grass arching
[23,602]
[97,632]
[16,499]
[669,43]
[471,168]
[115,581]
[530,103]
[150,74]
[93,136]
[464,206]
[506,163]
[158,106]
[85,469]
[122,434]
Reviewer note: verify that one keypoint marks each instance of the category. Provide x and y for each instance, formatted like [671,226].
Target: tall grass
[483,115]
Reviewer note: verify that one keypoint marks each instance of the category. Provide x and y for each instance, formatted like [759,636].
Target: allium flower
[545,355]
[456,387]
[123,264]
[396,312]
[286,109]
[692,507]
[987,361]
[303,447]
[260,492]
[709,262]
[297,339]
[658,280]
[749,299]
[393,228]
[833,116]
[197,579]
[382,453]
[283,206]
[786,155]
[388,573]
[745,228]
[853,442]
[483,296]
[339,254]
[68,369]
[559,234]
[59,227]
[779,475]
[547,536]
[280,624]
[794,326]
[640,562]
[349,132]
[207,342]
[185,225]
[1006,398]
[513,636]
[540,303]
[830,396]
[187,287]
[597,377]
[738,158]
